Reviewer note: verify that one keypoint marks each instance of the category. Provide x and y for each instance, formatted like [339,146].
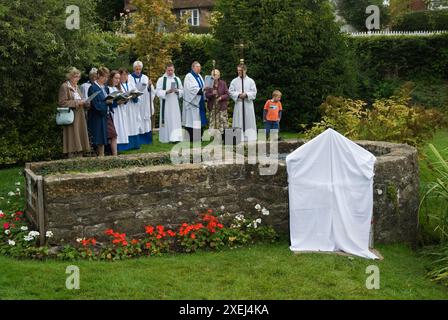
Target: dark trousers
[271,125]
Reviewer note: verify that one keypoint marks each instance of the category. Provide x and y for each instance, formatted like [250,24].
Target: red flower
[2,214]
[171,233]
[85,242]
[17,219]
[149,230]
[134,241]
[210,211]
[148,245]
[93,241]
[6,225]
[19,213]
[159,236]
[124,243]
[193,236]
[109,232]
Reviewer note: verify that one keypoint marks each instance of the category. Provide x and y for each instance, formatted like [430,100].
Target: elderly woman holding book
[75,135]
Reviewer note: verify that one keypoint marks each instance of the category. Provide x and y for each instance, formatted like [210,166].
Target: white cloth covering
[235,89]
[331,195]
[171,128]
[191,116]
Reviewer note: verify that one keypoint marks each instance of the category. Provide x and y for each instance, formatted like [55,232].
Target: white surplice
[171,126]
[235,89]
[120,117]
[145,104]
[191,116]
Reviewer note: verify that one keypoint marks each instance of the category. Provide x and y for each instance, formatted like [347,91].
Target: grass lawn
[258,272]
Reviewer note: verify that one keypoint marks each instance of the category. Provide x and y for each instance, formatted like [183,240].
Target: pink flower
[6,225]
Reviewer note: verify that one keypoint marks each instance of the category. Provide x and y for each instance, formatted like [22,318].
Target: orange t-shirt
[273,109]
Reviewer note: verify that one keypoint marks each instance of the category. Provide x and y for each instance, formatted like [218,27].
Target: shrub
[429,20]
[393,120]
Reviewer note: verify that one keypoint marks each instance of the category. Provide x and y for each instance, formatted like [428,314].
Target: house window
[193,16]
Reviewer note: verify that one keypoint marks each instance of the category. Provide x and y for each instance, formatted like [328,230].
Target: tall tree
[158,33]
[292,45]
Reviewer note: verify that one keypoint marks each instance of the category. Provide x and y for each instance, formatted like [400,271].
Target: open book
[91,97]
[133,94]
[118,97]
[209,81]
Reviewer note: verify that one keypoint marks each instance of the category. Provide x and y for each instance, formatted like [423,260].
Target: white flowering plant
[16,239]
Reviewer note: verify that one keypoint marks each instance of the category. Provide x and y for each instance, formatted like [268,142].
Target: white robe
[145,106]
[134,117]
[171,130]
[85,90]
[191,116]
[235,90]
[120,117]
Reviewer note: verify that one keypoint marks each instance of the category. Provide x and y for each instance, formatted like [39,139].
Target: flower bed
[210,232]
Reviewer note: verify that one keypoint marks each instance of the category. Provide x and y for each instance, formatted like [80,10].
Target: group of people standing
[126,125]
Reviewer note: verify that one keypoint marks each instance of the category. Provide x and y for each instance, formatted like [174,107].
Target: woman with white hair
[75,135]
[144,106]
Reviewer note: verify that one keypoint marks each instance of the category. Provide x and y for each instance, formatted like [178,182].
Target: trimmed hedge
[422,20]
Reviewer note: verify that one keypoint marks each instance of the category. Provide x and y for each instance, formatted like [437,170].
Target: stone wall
[86,204]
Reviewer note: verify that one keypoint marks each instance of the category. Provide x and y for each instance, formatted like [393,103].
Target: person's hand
[169,91]
[110,101]
[215,92]
[243,95]
[219,99]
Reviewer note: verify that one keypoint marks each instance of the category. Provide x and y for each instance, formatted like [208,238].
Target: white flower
[223,208]
[24,228]
[265,212]
[239,217]
[258,207]
[11,242]
[11,194]
[7,232]
[249,225]
[33,234]
[258,220]
[49,234]
[17,183]
[28,238]
[17,189]
[79,240]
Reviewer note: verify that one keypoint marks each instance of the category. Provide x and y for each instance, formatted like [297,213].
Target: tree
[354,12]
[36,51]
[158,33]
[109,13]
[292,45]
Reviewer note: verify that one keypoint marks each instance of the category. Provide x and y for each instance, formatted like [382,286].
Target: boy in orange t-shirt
[272,113]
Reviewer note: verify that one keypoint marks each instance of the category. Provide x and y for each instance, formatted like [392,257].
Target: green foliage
[354,12]
[393,119]
[36,51]
[422,20]
[291,45]
[195,47]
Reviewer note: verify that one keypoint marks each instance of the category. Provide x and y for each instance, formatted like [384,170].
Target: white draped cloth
[331,196]
[191,116]
[120,117]
[235,89]
[171,125]
[85,90]
[144,108]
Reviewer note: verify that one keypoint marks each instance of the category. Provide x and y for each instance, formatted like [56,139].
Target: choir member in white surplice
[85,86]
[169,89]
[145,103]
[248,95]
[194,116]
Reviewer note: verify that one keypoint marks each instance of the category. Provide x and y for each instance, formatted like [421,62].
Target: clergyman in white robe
[170,123]
[145,106]
[191,115]
[235,89]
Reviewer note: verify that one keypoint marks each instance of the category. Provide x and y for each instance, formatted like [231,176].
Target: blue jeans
[271,125]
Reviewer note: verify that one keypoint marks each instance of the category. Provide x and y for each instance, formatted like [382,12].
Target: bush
[422,21]
[393,120]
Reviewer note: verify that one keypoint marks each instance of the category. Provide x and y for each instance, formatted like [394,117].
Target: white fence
[397,33]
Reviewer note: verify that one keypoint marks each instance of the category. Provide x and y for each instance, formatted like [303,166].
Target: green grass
[259,272]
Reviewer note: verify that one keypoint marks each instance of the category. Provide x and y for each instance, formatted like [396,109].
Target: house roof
[188,4]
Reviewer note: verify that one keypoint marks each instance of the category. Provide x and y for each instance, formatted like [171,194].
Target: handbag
[65,116]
